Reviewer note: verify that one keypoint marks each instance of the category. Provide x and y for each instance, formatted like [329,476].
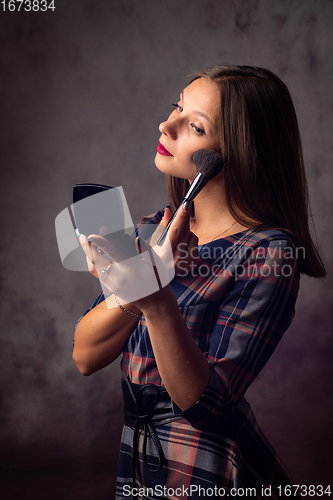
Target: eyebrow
[200,113]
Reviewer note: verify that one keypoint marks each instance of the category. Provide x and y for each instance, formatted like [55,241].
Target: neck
[211,214]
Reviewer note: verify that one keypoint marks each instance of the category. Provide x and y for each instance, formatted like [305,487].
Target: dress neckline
[236,236]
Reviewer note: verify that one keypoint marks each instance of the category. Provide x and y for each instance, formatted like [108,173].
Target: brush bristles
[208,162]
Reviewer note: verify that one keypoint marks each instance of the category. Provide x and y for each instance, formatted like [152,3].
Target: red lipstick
[162,150]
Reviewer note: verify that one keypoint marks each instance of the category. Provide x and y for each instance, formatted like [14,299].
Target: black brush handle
[165,232]
[198,183]
[208,164]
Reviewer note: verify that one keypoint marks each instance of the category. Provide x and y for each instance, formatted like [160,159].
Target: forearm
[183,367]
[101,335]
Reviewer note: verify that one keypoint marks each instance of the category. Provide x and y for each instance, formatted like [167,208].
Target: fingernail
[91,239]
[139,245]
[77,232]
[186,206]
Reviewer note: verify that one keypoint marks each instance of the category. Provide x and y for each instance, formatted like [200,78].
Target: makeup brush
[208,164]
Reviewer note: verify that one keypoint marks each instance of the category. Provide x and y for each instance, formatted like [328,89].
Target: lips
[162,150]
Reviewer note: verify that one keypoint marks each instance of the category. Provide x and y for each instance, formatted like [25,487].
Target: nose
[169,128]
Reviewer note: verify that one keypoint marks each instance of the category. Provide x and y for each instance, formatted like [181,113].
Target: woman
[201,340]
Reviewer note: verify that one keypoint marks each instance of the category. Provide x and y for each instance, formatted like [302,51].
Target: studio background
[83,90]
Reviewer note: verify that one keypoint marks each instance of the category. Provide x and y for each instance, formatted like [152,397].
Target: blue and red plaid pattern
[237,304]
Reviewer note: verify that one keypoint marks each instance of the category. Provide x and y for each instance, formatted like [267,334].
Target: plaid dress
[237,304]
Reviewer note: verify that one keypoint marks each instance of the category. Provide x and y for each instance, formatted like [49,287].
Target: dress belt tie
[145,405]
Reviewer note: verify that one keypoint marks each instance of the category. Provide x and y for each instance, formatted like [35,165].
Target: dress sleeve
[255,311]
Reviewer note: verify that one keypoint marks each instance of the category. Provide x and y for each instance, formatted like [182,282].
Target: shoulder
[154,218]
[254,248]
[240,246]
[250,241]
[268,256]
[254,238]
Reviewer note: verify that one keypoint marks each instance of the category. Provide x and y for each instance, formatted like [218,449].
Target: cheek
[181,165]
[187,167]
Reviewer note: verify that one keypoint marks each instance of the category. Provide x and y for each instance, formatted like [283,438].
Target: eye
[180,109]
[197,129]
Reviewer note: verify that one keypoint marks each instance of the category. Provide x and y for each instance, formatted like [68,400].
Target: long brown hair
[264,173]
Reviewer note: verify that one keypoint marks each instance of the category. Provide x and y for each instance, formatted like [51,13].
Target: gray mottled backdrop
[83,90]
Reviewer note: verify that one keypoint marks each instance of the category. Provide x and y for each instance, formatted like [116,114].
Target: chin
[162,165]
[169,169]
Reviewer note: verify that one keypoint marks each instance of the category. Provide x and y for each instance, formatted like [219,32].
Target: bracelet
[123,308]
